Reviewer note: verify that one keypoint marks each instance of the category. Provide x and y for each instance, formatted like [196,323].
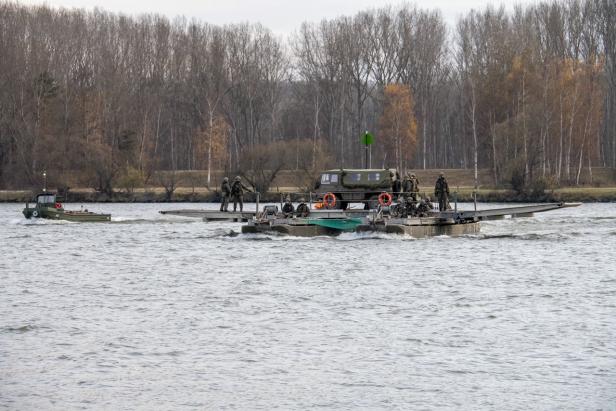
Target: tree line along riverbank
[191,186]
[524,91]
[203,195]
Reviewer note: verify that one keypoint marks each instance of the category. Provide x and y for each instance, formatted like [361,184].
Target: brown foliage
[90,94]
[398,128]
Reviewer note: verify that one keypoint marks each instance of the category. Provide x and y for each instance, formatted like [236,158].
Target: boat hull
[288,229]
[50,213]
[414,227]
[423,230]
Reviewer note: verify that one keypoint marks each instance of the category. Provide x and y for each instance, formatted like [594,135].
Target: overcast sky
[281,16]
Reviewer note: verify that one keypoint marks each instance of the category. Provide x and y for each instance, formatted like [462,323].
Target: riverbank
[203,195]
[566,194]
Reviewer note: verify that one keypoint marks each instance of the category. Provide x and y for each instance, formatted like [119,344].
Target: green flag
[367,139]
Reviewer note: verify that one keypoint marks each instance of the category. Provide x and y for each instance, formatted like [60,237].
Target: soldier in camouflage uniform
[410,183]
[424,207]
[414,187]
[441,191]
[287,207]
[406,184]
[302,209]
[396,185]
[237,192]
[225,192]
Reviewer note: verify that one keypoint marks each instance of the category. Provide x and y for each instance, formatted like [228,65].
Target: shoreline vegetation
[112,102]
[203,195]
[190,186]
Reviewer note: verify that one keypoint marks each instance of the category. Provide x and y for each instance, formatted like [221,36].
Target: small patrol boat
[47,206]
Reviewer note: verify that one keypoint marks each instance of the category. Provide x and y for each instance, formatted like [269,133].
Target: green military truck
[357,185]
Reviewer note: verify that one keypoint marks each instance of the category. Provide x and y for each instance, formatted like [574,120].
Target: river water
[162,312]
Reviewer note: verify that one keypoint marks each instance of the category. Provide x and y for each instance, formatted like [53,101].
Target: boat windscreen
[46,199]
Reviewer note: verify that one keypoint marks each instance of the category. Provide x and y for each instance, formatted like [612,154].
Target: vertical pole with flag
[367,140]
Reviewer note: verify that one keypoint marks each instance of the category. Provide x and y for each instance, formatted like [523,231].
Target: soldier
[425,205]
[225,191]
[237,192]
[288,208]
[406,184]
[302,209]
[400,209]
[396,185]
[414,185]
[441,191]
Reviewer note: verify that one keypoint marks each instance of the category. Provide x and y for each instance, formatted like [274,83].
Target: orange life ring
[385,198]
[329,200]
[58,205]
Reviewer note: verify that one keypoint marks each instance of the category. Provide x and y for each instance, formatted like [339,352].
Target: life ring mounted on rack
[329,200]
[58,205]
[35,213]
[385,198]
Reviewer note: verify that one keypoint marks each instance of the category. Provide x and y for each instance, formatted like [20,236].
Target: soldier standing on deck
[237,192]
[406,184]
[396,185]
[414,186]
[225,191]
[410,186]
[441,191]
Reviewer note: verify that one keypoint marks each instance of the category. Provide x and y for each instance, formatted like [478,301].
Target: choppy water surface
[162,312]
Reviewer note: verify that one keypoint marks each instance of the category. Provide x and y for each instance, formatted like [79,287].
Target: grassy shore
[203,195]
[567,194]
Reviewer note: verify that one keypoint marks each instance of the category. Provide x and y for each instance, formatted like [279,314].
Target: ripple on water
[165,313]
[524,236]
[19,328]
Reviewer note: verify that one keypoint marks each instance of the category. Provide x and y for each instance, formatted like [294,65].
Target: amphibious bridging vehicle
[384,219]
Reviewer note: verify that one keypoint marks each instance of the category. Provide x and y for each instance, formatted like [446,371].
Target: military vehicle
[47,206]
[356,185]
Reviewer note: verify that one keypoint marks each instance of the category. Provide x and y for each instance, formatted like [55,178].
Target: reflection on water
[153,311]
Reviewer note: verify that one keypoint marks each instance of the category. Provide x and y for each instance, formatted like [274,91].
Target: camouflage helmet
[238,178]
[441,174]
[226,179]
[413,175]
[302,200]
